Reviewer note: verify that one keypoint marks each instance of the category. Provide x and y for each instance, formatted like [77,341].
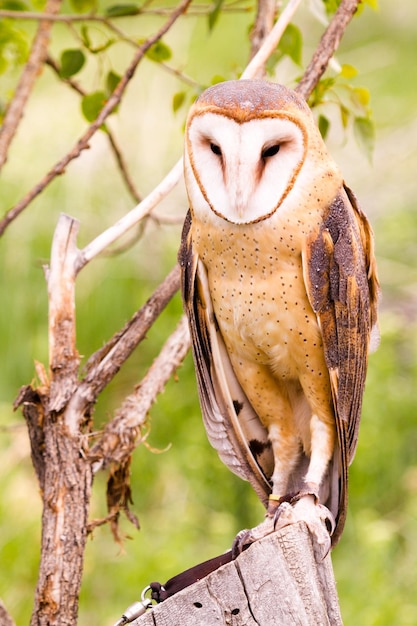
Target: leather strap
[189,577]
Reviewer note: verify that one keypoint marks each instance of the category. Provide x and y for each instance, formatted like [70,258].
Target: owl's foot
[319,520]
[247,536]
[302,507]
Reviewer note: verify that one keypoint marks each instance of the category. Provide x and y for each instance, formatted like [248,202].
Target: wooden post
[275,582]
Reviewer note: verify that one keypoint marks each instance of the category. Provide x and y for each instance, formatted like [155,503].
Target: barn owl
[280,287]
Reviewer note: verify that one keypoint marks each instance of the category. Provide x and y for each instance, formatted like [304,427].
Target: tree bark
[66,499]
[277,581]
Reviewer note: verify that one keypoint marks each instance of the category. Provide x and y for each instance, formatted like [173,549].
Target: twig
[120,435]
[27,80]
[327,47]
[50,62]
[271,41]
[34,16]
[264,22]
[116,150]
[130,219]
[122,166]
[111,104]
[180,75]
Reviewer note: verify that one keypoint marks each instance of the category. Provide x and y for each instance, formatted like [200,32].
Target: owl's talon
[248,536]
[320,521]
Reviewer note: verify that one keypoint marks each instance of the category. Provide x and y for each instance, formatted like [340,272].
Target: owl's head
[247,144]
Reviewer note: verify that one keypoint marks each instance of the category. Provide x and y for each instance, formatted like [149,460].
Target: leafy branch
[107,109]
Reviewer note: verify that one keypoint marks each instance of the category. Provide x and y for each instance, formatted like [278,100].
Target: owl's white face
[242,171]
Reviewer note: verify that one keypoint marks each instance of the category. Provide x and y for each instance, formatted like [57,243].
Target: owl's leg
[322,445]
[305,506]
[271,402]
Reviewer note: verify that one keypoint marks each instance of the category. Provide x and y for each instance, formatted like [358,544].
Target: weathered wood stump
[275,582]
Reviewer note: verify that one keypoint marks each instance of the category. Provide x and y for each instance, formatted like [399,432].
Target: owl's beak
[239,182]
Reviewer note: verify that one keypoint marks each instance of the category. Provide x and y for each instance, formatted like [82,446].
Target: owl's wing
[232,426]
[342,285]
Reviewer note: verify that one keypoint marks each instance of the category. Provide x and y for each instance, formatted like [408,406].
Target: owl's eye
[215,149]
[270,151]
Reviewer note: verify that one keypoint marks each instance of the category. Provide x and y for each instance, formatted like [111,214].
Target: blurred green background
[190,506]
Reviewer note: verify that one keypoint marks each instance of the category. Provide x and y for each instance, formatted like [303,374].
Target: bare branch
[271,41]
[110,105]
[132,218]
[263,25]
[27,80]
[113,143]
[327,47]
[122,166]
[50,62]
[106,362]
[121,435]
[34,16]
[63,356]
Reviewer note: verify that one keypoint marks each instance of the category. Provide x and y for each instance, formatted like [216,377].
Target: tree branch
[120,436]
[327,47]
[35,16]
[64,359]
[271,41]
[134,216]
[27,80]
[113,143]
[111,104]
[264,22]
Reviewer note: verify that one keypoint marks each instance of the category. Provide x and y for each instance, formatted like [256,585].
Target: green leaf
[112,80]
[13,46]
[372,3]
[320,90]
[355,99]
[85,36]
[331,6]
[71,63]
[362,96]
[83,6]
[324,125]
[291,43]
[13,5]
[364,131]
[344,115]
[92,104]
[178,100]
[217,78]
[3,64]
[159,52]
[213,16]
[120,10]
[89,43]
[348,71]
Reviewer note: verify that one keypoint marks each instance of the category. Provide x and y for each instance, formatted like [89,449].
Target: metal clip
[136,609]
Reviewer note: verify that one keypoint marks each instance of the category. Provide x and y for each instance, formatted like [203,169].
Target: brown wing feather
[342,284]
[232,426]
